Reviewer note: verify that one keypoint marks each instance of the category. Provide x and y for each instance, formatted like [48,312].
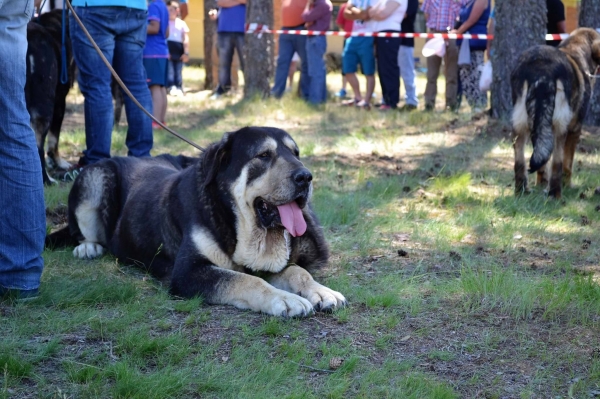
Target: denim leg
[226,43]
[22,214]
[128,62]
[171,73]
[238,42]
[178,67]
[94,81]
[406,62]
[286,52]
[300,48]
[315,50]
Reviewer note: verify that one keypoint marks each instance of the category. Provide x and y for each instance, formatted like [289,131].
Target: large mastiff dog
[551,89]
[213,224]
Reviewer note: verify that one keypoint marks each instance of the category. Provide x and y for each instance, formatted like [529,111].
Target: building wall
[195,21]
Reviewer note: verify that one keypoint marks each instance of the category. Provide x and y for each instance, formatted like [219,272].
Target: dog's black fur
[45,94]
[210,224]
[551,89]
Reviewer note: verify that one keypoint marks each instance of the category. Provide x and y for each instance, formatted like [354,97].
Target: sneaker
[341,94]
[429,107]
[155,125]
[18,295]
[72,173]
[215,96]
[407,108]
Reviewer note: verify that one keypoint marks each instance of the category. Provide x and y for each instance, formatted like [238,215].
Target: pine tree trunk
[520,24]
[210,30]
[589,16]
[258,50]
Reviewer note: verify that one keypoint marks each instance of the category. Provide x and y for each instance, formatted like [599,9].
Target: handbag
[464,54]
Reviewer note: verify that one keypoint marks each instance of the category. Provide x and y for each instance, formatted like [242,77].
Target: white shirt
[176,30]
[395,19]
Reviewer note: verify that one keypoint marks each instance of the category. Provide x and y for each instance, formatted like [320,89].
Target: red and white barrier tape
[258,28]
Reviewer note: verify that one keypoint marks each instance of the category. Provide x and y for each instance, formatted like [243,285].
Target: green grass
[456,288]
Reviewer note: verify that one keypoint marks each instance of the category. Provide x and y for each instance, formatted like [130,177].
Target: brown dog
[551,90]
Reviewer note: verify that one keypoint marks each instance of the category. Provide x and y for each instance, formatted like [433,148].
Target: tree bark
[210,30]
[590,17]
[520,24]
[258,50]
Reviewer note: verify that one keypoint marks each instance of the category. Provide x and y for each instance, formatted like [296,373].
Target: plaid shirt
[442,13]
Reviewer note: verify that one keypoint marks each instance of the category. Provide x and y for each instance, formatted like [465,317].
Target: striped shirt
[442,13]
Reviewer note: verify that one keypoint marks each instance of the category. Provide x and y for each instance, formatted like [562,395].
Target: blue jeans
[120,32]
[288,45]
[22,210]
[406,62]
[175,67]
[315,51]
[227,42]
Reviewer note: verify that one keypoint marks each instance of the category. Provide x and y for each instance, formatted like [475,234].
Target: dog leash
[122,85]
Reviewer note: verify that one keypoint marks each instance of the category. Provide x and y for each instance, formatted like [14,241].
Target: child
[156,56]
[178,42]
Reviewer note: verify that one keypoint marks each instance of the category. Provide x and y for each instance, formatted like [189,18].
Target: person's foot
[17,294]
[429,107]
[216,95]
[385,107]
[350,103]
[341,94]
[155,125]
[407,108]
[364,105]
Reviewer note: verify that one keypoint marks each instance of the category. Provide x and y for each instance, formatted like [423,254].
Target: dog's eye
[264,155]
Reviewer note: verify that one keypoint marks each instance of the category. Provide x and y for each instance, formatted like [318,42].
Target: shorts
[156,71]
[359,50]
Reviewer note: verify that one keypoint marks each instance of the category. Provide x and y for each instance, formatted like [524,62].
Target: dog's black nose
[302,177]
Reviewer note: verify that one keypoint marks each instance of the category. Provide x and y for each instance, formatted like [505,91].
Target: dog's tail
[60,239]
[540,105]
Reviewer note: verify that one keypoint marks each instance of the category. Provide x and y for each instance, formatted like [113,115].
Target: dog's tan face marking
[289,143]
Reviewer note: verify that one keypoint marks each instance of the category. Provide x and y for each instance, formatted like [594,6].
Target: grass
[456,288]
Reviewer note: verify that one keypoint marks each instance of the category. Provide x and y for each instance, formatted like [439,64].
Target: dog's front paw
[88,250]
[323,298]
[288,305]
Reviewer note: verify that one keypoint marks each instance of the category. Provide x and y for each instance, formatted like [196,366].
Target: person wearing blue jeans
[288,45]
[231,27]
[120,32]
[22,214]
[406,58]
[317,17]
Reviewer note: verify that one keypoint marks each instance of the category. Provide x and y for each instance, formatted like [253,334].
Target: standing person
[359,50]
[22,215]
[346,25]
[556,20]
[317,16]
[474,16]
[235,62]
[156,58]
[388,14]
[291,19]
[120,31]
[406,57]
[231,25]
[179,49]
[441,16]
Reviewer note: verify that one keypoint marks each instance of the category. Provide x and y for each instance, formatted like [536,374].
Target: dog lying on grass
[234,226]
[551,89]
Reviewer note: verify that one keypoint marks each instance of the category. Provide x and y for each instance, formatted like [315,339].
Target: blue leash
[64,76]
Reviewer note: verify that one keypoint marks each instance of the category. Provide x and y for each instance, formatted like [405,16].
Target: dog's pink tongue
[292,218]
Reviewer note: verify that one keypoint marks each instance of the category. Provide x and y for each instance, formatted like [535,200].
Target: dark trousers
[227,42]
[387,67]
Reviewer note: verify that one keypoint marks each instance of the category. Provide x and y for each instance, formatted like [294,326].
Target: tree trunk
[258,50]
[210,30]
[590,17]
[520,24]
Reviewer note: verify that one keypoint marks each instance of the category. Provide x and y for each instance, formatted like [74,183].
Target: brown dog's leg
[555,186]
[520,138]
[543,176]
[573,136]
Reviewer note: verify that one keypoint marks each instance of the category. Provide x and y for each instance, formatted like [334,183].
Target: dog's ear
[214,157]
[596,52]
